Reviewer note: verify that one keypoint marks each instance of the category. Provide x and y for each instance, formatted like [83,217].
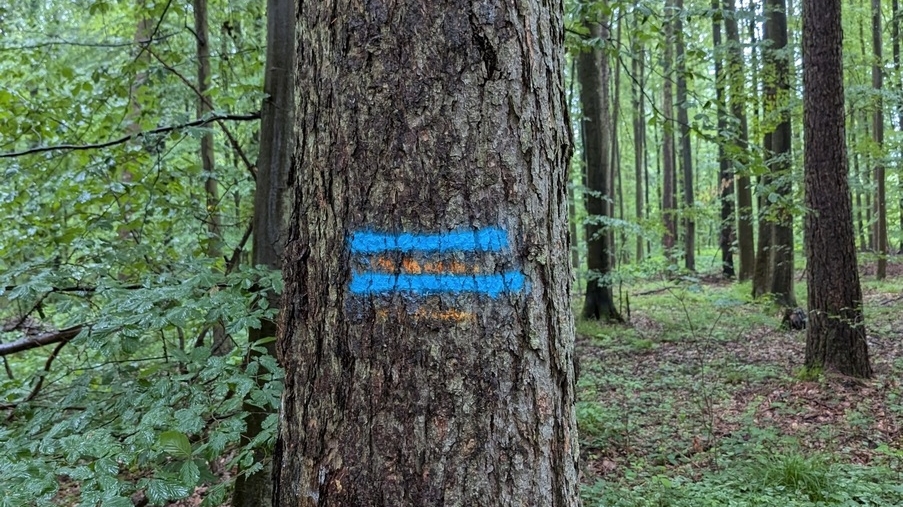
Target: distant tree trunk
[725,175]
[857,178]
[878,132]
[427,333]
[638,101]
[221,343]
[270,211]
[776,221]
[617,193]
[737,100]
[898,86]
[593,74]
[686,156]
[835,335]
[669,187]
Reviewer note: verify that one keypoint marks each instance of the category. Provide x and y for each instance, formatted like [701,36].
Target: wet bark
[835,336]
[427,334]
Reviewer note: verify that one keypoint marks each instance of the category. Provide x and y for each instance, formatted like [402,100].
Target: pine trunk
[835,334]
[427,334]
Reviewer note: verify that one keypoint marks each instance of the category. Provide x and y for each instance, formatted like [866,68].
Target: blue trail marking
[491,285]
[489,239]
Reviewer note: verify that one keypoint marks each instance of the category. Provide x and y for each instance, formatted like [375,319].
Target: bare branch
[33,342]
[124,139]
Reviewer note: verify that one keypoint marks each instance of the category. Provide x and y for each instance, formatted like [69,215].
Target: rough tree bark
[593,73]
[835,335]
[270,209]
[427,335]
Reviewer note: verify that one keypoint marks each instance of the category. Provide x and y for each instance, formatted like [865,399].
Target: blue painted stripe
[489,239]
[491,285]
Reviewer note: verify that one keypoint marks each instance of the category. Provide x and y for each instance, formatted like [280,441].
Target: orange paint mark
[443,315]
[383,315]
[415,267]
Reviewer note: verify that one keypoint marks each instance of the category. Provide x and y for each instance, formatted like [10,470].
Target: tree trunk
[878,133]
[221,343]
[686,156]
[427,334]
[725,176]
[779,279]
[592,73]
[898,86]
[669,197]
[835,334]
[738,98]
[638,101]
[270,211]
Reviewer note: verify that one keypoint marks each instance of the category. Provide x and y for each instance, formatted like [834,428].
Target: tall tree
[427,330]
[878,133]
[898,86]
[220,343]
[638,101]
[725,176]
[835,335]
[737,100]
[774,259]
[270,213]
[593,73]
[686,154]
[669,190]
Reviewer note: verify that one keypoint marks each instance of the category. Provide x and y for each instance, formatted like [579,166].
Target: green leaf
[159,491]
[117,502]
[175,443]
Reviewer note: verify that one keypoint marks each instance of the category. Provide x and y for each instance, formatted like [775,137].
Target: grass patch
[703,400]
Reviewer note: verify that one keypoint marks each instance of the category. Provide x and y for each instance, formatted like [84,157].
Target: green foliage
[116,241]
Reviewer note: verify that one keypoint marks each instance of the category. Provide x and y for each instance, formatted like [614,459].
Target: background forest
[136,299]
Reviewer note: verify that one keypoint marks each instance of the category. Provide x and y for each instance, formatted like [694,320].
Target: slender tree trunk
[593,73]
[270,212]
[857,177]
[221,343]
[835,334]
[669,190]
[898,86]
[878,132]
[686,156]
[725,175]
[779,280]
[638,101]
[737,99]
[427,333]
[616,153]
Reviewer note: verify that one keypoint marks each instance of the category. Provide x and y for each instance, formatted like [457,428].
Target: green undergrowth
[701,399]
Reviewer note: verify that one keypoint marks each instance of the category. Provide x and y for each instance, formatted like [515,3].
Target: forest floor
[701,399]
